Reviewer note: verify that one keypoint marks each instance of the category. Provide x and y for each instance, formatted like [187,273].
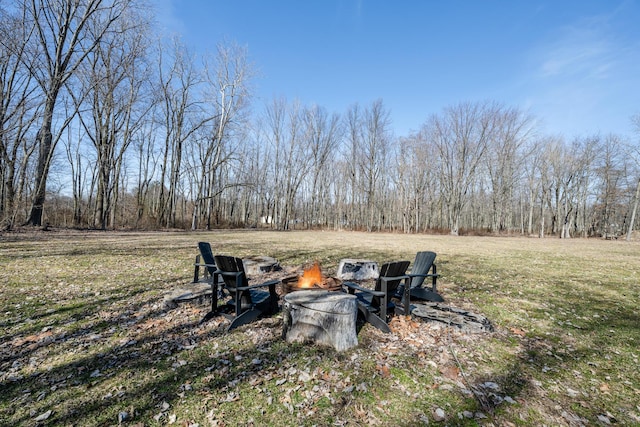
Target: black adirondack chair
[376,305]
[204,261]
[246,302]
[424,266]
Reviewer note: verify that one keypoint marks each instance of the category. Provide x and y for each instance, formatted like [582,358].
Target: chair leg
[196,270]
[214,304]
[210,315]
[426,295]
[377,322]
[434,278]
[245,318]
[384,301]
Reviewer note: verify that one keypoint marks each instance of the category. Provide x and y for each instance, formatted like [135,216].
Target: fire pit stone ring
[290,284]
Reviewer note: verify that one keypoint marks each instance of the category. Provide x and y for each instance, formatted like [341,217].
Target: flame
[312,277]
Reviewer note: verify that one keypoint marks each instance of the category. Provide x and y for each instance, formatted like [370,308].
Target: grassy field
[85,339]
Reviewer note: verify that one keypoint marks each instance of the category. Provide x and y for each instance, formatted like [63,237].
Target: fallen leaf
[450,371]
[518,331]
[383,370]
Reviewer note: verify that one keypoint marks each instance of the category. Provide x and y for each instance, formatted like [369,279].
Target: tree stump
[255,265]
[321,317]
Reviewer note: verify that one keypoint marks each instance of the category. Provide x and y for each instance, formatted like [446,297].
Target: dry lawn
[85,338]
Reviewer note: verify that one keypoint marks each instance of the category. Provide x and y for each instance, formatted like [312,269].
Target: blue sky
[574,65]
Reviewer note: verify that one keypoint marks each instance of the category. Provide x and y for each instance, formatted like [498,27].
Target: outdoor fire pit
[311,279]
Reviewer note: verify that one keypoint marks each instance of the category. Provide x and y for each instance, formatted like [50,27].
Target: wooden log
[321,317]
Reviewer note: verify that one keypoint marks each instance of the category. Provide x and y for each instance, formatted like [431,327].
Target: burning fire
[312,277]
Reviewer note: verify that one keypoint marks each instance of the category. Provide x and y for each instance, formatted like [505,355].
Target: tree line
[105,124]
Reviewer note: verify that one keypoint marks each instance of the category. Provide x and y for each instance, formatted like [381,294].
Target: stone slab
[452,316]
[192,292]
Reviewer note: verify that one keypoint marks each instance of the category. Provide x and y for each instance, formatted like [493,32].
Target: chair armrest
[270,283]
[196,269]
[434,276]
[422,275]
[202,264]
[391,279]
[356,287]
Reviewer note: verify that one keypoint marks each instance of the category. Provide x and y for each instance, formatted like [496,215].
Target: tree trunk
[45,153]
[633,212]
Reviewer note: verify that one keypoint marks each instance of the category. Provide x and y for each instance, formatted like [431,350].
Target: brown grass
[85,336]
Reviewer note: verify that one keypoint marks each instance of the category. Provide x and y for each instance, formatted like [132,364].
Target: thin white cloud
[583,77]
[585,50]
[576,58]
[167,18]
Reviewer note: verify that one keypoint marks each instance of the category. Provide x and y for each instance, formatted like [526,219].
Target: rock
[122,417]
[44,416]
[357,269]
[604,419]
[439,415]
[572,393]
[491,385]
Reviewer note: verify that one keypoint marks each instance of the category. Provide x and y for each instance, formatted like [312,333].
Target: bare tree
[228,75]
[272,132]
[503,158]
[532,179]
[369,139]
[147,162]
[610,171]
[460,135]
[19,108]
[354,142]
[182,113]
[416,167]
[79,171]
[552,148]
[566,173]
[59,42]
[322,134]
[634,153]
[113,80]
[293,159]
[374,159]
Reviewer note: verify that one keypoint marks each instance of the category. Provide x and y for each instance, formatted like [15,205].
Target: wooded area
[106,124]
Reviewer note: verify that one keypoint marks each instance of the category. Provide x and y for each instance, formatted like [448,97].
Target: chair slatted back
[232,271]
[207,256]
[389,269]
[421,265]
